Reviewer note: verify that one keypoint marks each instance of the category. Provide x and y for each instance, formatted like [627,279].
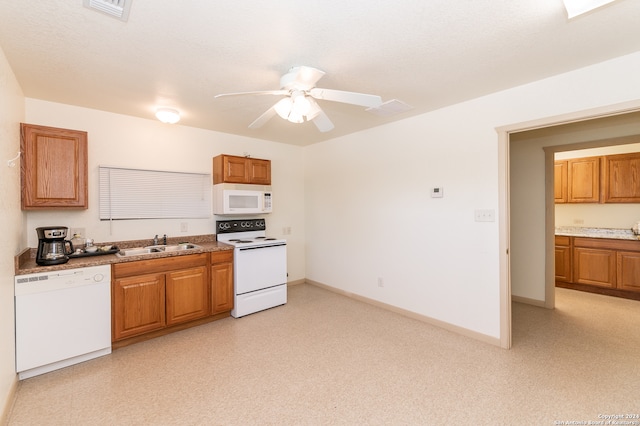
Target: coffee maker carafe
[53,249]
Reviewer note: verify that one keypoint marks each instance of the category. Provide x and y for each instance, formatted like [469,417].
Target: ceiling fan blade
[266,116]
[261,92]
[322,122]
[370,101]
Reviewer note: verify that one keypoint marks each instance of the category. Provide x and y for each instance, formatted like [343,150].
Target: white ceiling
[426,53]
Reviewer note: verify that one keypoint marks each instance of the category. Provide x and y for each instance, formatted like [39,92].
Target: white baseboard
[441,324]
[528,301]
[8,403]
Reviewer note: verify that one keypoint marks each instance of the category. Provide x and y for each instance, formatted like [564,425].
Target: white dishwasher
[62,318]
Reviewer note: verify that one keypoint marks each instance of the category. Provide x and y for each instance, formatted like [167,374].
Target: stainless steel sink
[141,251]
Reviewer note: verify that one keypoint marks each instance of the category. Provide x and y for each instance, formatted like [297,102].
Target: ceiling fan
[299,89]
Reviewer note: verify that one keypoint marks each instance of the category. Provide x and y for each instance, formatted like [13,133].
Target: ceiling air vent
[115,8]
[389,108]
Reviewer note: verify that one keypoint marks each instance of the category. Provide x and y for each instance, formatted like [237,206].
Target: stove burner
[265,238]
[237,240]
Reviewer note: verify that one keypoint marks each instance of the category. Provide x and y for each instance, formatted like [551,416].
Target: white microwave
[231,199]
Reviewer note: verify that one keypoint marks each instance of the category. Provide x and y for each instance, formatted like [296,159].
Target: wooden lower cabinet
[563,259]
[594,267]
[187,294]
[138,305]
[156,296]
[599,265]
[628,268]
[221,282]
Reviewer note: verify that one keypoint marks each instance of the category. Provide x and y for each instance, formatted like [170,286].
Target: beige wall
[13,239]
[437,261]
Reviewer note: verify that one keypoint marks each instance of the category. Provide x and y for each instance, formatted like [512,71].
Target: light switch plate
[485,215]
[437,192]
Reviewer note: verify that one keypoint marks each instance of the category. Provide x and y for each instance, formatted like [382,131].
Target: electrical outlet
[578,221]
[184,227]
[286,230]
[74,231]
[380,282]
[485,215]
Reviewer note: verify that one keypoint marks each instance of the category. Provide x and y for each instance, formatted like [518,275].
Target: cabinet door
[187,295]
[236,170]
[221,288]
[563,264]
[138,305]
[628,271]
[594,267]
[622,178]
[583,179]
[53,168]
[259,171]
[560,181]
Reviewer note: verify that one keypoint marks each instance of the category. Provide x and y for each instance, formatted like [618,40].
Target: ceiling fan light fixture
[295,117]
[314,110]
[283,107]
[301,104]
[168,115]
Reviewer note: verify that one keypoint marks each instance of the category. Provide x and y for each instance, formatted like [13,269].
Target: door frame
[504,198]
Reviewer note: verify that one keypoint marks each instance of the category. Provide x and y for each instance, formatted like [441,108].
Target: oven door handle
[262,247]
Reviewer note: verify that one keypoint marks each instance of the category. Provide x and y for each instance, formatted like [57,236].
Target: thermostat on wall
[437,192]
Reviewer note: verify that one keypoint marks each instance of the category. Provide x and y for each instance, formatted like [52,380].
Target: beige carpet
[326,359]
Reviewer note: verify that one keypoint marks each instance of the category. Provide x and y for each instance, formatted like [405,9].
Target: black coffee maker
[53,249]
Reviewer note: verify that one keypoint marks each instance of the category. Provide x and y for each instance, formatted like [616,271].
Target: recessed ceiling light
[578,7]
[168,115]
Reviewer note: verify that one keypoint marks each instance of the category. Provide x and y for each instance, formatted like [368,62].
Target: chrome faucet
[155,240]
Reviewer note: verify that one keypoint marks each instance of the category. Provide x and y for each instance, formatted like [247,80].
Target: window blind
[153,194]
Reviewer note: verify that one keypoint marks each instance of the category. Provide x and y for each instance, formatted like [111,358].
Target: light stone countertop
[612,233]
[25,262]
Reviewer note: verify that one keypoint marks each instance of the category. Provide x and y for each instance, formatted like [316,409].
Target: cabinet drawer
[222,256]
[159,265]
[563,240]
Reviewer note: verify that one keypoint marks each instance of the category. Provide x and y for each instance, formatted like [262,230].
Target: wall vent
[116,8]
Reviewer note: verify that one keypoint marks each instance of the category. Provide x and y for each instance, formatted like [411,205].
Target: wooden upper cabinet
[53,168]
[560,181]
[234,169]
[583,180]
[622,178]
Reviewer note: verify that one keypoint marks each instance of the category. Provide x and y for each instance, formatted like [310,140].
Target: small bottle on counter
[78,242]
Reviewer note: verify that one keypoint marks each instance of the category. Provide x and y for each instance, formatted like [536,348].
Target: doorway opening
[527,272]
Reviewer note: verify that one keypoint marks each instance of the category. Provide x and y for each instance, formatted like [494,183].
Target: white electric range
[259,266]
